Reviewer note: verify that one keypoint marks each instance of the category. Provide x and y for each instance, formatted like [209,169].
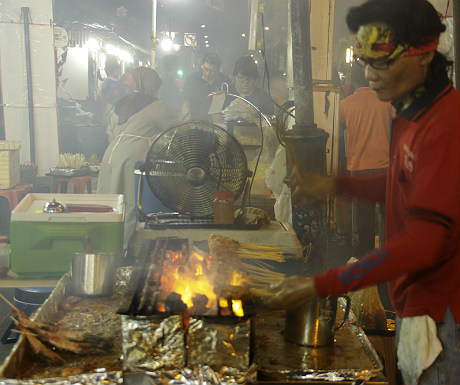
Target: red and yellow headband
[377,43]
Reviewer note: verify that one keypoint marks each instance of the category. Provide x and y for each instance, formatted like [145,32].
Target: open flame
[194,280]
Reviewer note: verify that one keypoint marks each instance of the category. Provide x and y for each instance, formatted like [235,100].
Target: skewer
[6,300]
[23,332]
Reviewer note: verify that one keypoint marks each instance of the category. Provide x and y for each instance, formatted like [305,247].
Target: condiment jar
[224,207]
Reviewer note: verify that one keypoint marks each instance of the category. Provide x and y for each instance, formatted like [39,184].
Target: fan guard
[188,163]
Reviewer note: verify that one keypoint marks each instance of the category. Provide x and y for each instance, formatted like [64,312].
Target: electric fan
[188,163]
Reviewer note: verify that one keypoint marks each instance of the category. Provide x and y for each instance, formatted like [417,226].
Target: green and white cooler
[43,243]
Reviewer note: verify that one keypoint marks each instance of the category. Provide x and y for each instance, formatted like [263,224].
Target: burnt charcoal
[174,304]
[200,301]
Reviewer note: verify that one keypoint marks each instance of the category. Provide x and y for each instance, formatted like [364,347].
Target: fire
[194,279]
[237,307]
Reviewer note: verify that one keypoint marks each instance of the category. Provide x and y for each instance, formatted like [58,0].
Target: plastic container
[10,171]
[150,203]
[224,208]
[43,244]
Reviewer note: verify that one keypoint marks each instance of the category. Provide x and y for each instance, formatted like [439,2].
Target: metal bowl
[54,207]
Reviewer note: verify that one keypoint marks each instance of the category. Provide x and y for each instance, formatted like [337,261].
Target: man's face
[245,85]
[209,73]
[391,69]
[401,78]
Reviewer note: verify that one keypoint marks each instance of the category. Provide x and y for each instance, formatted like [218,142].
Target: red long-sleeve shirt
[421,257]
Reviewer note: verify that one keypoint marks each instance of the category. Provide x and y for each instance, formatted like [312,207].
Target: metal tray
[351,357]
[68,172]
[19,356]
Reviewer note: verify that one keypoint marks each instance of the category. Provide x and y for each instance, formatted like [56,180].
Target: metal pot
[313,323]
[94,274]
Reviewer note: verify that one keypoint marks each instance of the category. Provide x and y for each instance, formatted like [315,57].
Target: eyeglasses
[379,65]
[242,78]
[209,70]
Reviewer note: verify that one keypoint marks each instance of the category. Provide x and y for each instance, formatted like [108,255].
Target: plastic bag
[274,178]
[367,307]
[240,110]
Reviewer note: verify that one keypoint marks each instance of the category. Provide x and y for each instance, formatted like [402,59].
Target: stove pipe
[306,147]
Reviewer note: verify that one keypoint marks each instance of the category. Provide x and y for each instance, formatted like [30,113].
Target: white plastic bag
[274,178]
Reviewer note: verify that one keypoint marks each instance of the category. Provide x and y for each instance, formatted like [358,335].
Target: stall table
[106,323]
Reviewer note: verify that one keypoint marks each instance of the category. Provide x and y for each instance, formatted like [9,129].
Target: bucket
[94,274]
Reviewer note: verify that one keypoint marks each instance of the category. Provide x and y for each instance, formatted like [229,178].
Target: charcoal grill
[172,337]
[145,284]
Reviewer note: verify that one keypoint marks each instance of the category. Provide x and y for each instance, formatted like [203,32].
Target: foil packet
[99,377]
[218,343]
[153,342]
[200,375]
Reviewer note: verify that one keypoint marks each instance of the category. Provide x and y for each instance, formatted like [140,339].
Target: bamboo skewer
[6,300]
[23,332]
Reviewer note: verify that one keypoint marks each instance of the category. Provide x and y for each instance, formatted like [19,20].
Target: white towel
[418,347]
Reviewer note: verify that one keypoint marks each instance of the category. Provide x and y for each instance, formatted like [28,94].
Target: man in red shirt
[396,42]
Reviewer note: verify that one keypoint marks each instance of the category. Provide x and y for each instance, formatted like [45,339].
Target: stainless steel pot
[94,273]
[314,323]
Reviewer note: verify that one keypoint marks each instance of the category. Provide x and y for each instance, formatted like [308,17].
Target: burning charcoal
[174,304]
[199,304]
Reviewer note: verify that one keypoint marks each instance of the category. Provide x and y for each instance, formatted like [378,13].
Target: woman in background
[133,123]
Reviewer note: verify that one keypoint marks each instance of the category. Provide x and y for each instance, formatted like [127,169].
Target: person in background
[367,121]
[246,76]
[396,42]
[126,80]
[169,91]
[133,123]
[112,89]
[200,84]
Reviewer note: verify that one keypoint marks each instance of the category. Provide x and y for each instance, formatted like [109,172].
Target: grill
[172,319]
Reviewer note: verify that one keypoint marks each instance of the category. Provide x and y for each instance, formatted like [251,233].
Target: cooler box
[43,244]
[150,203]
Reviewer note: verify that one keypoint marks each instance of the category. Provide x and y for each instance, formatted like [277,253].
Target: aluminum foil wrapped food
[153,342]
[218,343]
[99,377]
[203,375]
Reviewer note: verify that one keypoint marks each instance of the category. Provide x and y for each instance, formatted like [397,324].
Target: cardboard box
[10,172]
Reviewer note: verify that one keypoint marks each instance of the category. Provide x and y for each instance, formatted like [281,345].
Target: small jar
[224,208]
